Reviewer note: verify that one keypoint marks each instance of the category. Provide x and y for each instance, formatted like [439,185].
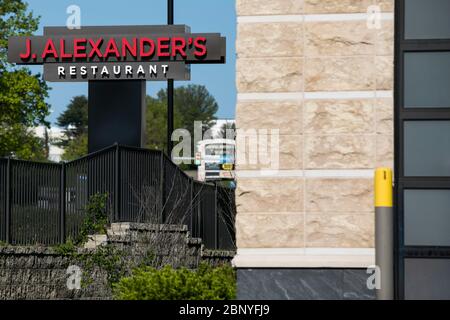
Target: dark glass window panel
[427,148]
[427,19]
[427,217]
[427,279]
[427,79]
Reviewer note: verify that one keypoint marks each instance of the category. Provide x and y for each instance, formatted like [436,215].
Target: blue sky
[200,15]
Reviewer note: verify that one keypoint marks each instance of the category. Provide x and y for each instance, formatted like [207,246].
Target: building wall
[302,284]
[321,73]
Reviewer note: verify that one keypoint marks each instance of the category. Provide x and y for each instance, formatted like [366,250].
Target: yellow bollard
[383,187]
[384,232]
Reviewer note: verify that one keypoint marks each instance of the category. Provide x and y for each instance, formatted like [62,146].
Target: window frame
[402,114]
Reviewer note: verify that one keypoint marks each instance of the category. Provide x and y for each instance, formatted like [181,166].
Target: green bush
[206,283]
[68,248]
[96,219]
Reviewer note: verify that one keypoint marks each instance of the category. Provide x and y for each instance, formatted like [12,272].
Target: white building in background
[54,134]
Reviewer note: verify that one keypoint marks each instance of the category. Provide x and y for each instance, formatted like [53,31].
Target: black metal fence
[44,203]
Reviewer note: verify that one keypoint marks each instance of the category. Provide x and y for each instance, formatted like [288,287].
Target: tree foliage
[191,103]
[20,142]
[22,94]
[76,148]
[14,21]
[74,121]
[156,123]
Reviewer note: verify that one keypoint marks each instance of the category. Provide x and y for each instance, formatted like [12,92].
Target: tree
[76,148]
[19,141]
[191,103]
[75,119]
[156,125]
[194,103]
[22,94]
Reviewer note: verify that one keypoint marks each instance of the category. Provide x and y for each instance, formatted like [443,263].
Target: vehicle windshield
[223,152]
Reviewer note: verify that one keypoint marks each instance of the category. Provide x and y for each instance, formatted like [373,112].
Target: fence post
[8,203]
[191,182]
[162,186]
[62,205]
[116,184]
[216,219]
[200,208]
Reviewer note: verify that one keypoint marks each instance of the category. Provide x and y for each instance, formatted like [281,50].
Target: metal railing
[44,203]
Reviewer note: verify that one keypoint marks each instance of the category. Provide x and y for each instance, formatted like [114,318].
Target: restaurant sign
[117,53]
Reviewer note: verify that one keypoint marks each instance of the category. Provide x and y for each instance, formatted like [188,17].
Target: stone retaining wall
[44,273]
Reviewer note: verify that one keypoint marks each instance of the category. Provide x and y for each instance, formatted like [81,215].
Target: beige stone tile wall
[327,84]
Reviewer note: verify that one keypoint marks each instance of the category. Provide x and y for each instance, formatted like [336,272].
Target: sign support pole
[170,89]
